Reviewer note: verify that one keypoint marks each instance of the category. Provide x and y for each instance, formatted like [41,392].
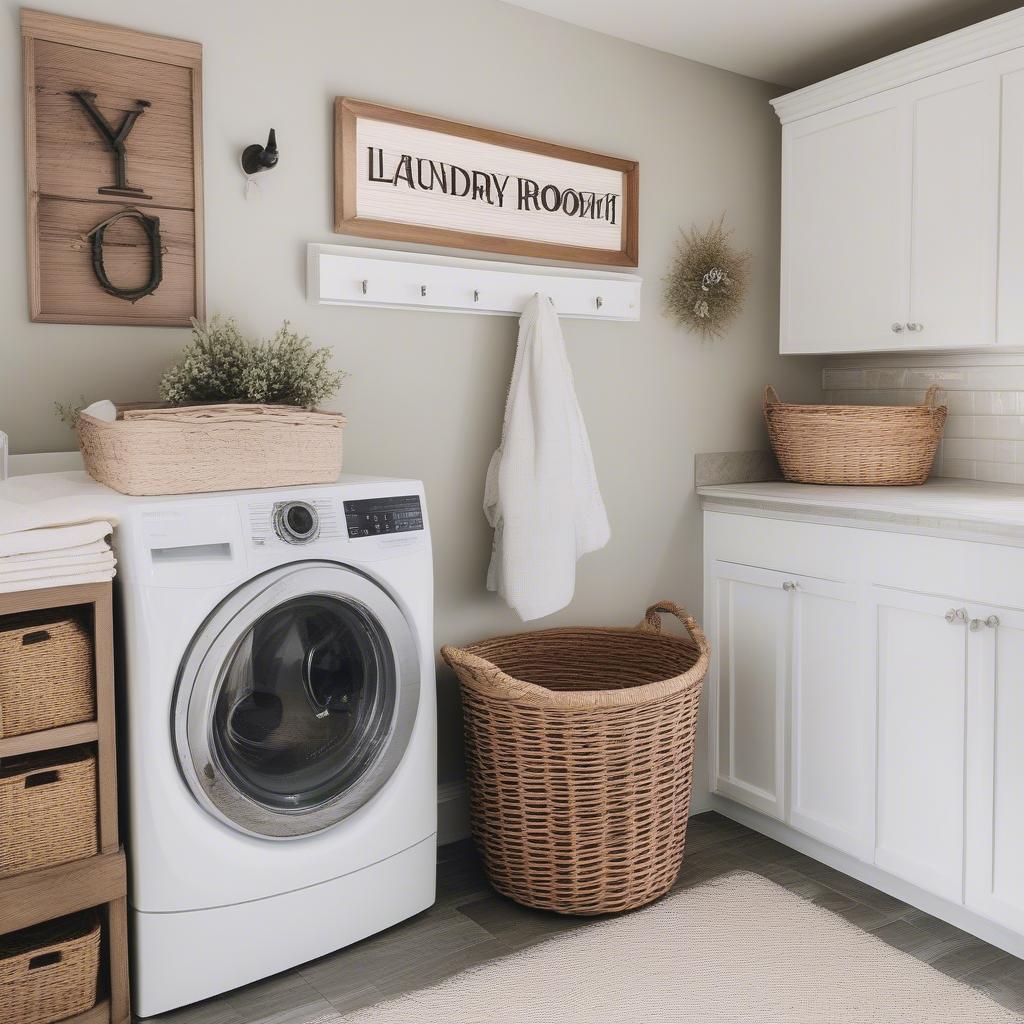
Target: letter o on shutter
[151,227]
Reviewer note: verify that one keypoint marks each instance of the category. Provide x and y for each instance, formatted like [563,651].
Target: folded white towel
[541,494]
[90,566]
[56,538]
[56,581]
[63,557]
[43,500]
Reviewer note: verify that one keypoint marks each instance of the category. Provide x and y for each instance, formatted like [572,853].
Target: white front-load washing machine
[278,681]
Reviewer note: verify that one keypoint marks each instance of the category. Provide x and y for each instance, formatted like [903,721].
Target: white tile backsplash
[984,436]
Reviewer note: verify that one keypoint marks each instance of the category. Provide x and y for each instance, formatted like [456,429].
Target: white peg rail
[342,275]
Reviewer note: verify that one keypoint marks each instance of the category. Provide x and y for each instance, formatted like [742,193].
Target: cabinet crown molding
[986,39]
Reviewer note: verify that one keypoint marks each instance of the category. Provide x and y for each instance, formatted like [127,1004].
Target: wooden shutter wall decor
[114,174]
[413,178]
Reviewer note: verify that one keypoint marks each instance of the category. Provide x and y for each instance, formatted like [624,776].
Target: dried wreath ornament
[708,281]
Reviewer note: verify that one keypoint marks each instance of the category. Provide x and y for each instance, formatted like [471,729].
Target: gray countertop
[941,505]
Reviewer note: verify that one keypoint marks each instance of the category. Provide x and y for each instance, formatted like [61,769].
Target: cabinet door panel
[1011,212]
[832,718]
[995,768]
[921,724]
[955,216]
[845,216]
[749,639]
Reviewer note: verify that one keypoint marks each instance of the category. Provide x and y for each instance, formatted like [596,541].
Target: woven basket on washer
[874,445]
[47,810]
[46,671]
[212,448]
[50,971]
[579,752]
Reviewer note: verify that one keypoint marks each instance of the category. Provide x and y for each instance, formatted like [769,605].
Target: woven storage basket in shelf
[46,671]
[212,448]
[50,972]
[47,810]
[579,752]
[879,445]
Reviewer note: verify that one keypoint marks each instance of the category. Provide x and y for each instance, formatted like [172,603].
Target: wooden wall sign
[414,178]
[114,174]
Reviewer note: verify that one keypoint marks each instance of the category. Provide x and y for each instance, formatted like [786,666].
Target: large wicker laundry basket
[579,751]
[873,445]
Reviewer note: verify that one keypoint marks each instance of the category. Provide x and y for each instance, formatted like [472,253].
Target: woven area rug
[737,949]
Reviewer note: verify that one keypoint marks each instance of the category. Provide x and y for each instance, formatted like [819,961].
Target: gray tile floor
[470,924]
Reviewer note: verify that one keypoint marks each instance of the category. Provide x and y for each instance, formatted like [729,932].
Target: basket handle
[931,397]
[652,622]
[771,396]
[45,959]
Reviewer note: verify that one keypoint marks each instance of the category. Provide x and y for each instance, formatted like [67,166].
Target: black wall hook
[256,158]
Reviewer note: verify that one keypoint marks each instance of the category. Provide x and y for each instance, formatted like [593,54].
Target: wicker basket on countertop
[579,752]
[195,448]
[50,972]
[870,445]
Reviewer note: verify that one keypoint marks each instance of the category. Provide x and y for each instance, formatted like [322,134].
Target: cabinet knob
[956,615]
[991,623]
[915,327]
[789,586]
[897,328]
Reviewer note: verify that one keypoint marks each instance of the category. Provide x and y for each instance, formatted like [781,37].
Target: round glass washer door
[296,700]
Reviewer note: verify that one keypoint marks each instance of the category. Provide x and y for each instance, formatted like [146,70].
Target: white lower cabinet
[995,766]
[883,720]
[750,646]
[922,652]
[831,719]
[793,721]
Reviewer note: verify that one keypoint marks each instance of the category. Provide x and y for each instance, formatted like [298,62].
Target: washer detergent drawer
[192,548]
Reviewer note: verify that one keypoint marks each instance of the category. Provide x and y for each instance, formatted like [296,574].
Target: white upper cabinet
[954,217]
[903,200]
[844,261]
[1011,210]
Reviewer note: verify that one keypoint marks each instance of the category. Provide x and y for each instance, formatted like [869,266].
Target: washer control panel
[375,517]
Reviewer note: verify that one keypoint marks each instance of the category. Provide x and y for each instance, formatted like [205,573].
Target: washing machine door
[296,700]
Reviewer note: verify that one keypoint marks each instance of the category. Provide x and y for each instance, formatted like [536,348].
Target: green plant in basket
[220,365]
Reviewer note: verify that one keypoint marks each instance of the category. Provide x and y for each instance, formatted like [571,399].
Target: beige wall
[426,392]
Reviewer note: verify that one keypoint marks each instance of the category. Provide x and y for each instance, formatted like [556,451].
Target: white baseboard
[937,906]
[452,813]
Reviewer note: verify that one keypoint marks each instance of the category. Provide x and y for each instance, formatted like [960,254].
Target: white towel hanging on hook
[541,494]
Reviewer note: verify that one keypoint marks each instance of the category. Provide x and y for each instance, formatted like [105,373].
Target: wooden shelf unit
[99,881]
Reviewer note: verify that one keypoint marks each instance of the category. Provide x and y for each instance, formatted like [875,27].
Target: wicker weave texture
[874,445]
[50,972]
[47,810]
[46,672]
[212,448]
[579,752]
